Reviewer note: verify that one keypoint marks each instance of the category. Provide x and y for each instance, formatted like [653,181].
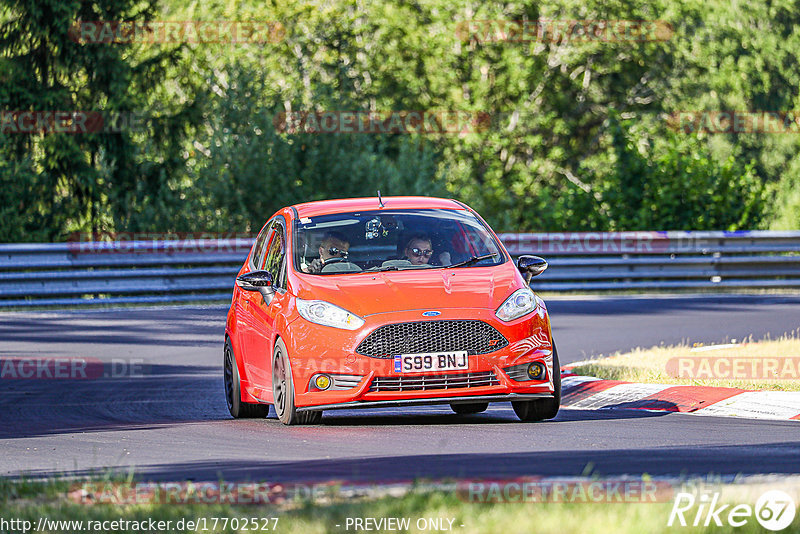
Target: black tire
[233,389]
[283,391]
[541,409]
[469,408]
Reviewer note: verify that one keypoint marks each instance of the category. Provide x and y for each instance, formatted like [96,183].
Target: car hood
[370,293]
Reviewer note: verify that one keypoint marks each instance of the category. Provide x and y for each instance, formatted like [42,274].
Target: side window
[258,249]
[276,254]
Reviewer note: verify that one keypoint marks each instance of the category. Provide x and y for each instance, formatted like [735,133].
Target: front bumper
[319,349]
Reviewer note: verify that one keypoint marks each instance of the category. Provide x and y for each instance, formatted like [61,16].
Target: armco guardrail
[591,261]
[178,271]
[119,272]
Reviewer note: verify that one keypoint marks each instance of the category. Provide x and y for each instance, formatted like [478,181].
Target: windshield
[372,241]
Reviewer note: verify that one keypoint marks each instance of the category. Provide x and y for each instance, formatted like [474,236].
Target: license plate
[431,361]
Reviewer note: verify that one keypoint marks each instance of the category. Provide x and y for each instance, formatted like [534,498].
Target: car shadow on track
[158,395]
[497,414]
[682,461]
[150,396]
[163,327]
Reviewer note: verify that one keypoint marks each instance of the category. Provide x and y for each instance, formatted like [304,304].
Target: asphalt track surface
[171,423]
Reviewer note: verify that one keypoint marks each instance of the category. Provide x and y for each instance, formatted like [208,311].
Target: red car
[399,301]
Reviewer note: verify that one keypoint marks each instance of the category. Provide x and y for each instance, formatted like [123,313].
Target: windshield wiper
[381,269]
[473,259]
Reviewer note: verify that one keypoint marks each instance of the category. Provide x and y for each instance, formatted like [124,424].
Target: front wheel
[541,409]
[233,389]
[283,391]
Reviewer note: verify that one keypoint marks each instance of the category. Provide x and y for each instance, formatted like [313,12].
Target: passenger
[334,245]
[419,250]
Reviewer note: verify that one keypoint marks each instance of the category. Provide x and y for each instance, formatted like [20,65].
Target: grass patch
[764,365]
[30,501]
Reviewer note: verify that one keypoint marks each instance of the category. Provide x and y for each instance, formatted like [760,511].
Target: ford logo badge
[431,313]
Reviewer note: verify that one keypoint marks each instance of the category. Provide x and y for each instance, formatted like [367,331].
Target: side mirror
[531,266]
[260,281]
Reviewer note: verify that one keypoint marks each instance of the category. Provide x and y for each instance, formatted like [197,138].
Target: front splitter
[426,402]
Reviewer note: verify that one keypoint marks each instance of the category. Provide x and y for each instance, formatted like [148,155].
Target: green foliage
[672,180]
[578,138]
[249,170]
[787,202]
[20,188]
[84,181]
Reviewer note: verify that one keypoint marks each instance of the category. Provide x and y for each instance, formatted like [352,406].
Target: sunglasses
[419,252]
[333,251]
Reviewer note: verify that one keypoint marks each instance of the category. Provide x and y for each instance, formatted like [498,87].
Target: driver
[334,246]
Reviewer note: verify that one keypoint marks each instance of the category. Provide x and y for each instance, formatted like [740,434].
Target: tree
[89,180]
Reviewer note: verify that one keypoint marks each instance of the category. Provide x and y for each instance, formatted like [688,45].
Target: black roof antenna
[380,200]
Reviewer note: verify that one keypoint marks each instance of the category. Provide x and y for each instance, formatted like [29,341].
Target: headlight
[325,313]
[521,302]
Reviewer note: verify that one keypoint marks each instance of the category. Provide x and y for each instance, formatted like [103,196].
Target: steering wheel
[335,259]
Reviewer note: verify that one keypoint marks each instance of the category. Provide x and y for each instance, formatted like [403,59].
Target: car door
[262,315]
[246,303]
[243,300]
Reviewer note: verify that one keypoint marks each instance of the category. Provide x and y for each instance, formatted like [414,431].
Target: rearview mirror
[260,281]
[531,266]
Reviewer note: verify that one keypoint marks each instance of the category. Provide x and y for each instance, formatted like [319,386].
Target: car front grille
[426,382]
[476,337]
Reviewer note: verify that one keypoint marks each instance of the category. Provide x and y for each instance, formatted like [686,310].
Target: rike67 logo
[774,510]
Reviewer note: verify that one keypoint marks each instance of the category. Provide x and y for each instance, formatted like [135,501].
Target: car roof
[344,205]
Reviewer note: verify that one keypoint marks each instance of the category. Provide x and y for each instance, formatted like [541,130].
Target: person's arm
[316,266]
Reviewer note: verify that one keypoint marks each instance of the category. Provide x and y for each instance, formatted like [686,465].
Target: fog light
[536,371]
[322,382]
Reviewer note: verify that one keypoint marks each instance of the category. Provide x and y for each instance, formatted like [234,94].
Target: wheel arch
[239,364]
